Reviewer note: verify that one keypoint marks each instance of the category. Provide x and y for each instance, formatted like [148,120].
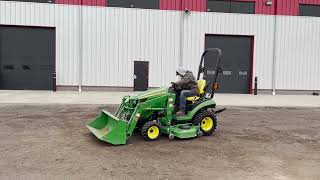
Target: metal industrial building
[93,44]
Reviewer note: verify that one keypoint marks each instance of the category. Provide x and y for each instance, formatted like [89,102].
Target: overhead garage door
[235,62]
[27,58]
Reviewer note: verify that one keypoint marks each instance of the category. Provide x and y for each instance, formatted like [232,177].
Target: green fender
[210,103]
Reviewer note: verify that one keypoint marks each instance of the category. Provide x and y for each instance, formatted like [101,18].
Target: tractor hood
[151,93]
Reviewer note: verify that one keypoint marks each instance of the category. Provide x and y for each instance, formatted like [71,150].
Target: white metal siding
[298,53]
[113,38]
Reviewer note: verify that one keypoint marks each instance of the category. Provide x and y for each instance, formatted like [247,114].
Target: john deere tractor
[152,113]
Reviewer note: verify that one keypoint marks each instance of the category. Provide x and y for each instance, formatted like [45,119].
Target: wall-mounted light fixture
[269,2]
[187,11]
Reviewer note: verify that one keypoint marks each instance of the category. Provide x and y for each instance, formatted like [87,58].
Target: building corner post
[274,62]
[80,46]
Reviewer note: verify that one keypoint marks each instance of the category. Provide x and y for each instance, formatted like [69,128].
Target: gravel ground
[47,141]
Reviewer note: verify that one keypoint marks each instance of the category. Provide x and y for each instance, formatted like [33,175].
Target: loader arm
[117,128]
[145,110]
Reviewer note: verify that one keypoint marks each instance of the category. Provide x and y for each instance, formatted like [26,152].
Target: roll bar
[217,68]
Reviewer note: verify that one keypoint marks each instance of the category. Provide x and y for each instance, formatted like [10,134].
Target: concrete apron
[72,97]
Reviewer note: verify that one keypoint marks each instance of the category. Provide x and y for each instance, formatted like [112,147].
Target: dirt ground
[250,143]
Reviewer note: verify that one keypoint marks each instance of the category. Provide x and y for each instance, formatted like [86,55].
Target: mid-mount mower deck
[152,113]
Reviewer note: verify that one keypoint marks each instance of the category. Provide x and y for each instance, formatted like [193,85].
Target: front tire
[151,131]
[207,120]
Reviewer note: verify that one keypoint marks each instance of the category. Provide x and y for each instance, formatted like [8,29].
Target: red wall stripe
[74,2]
[291,7]
[284,7]
[192,5]
[170,4]
[94,2]
[287,7]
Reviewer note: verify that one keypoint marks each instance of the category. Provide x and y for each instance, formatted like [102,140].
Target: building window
[144,4]
[228,6]
[309,10]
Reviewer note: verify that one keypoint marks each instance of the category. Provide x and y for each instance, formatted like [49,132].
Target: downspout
[274,63]
[181,35]
[80,46]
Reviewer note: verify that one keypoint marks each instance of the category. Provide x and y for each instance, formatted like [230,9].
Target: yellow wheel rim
[206,123]
[153,132]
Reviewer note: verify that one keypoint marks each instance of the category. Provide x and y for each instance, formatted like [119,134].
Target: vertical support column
[80,45]
[181,38]
[274,63]
[255,92]
[54,80]
[184,13]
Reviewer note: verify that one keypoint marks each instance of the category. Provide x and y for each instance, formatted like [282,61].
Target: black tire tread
[201,115]
[145,128]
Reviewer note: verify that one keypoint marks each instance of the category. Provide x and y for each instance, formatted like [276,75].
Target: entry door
[235,62]
[141,75]
[27,58]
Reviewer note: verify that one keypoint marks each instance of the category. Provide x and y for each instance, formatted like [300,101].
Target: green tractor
[152,113]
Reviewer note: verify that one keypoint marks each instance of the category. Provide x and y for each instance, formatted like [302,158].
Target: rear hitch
[220,110]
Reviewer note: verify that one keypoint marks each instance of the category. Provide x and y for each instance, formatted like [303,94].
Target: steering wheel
[175,85]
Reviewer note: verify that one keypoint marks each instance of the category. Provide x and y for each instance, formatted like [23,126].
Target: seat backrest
[201,85]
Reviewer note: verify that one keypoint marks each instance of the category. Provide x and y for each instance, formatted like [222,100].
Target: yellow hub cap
[206,123]
[153,132]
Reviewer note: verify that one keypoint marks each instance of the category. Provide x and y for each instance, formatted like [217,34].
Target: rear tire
[151,131]
[207,120]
